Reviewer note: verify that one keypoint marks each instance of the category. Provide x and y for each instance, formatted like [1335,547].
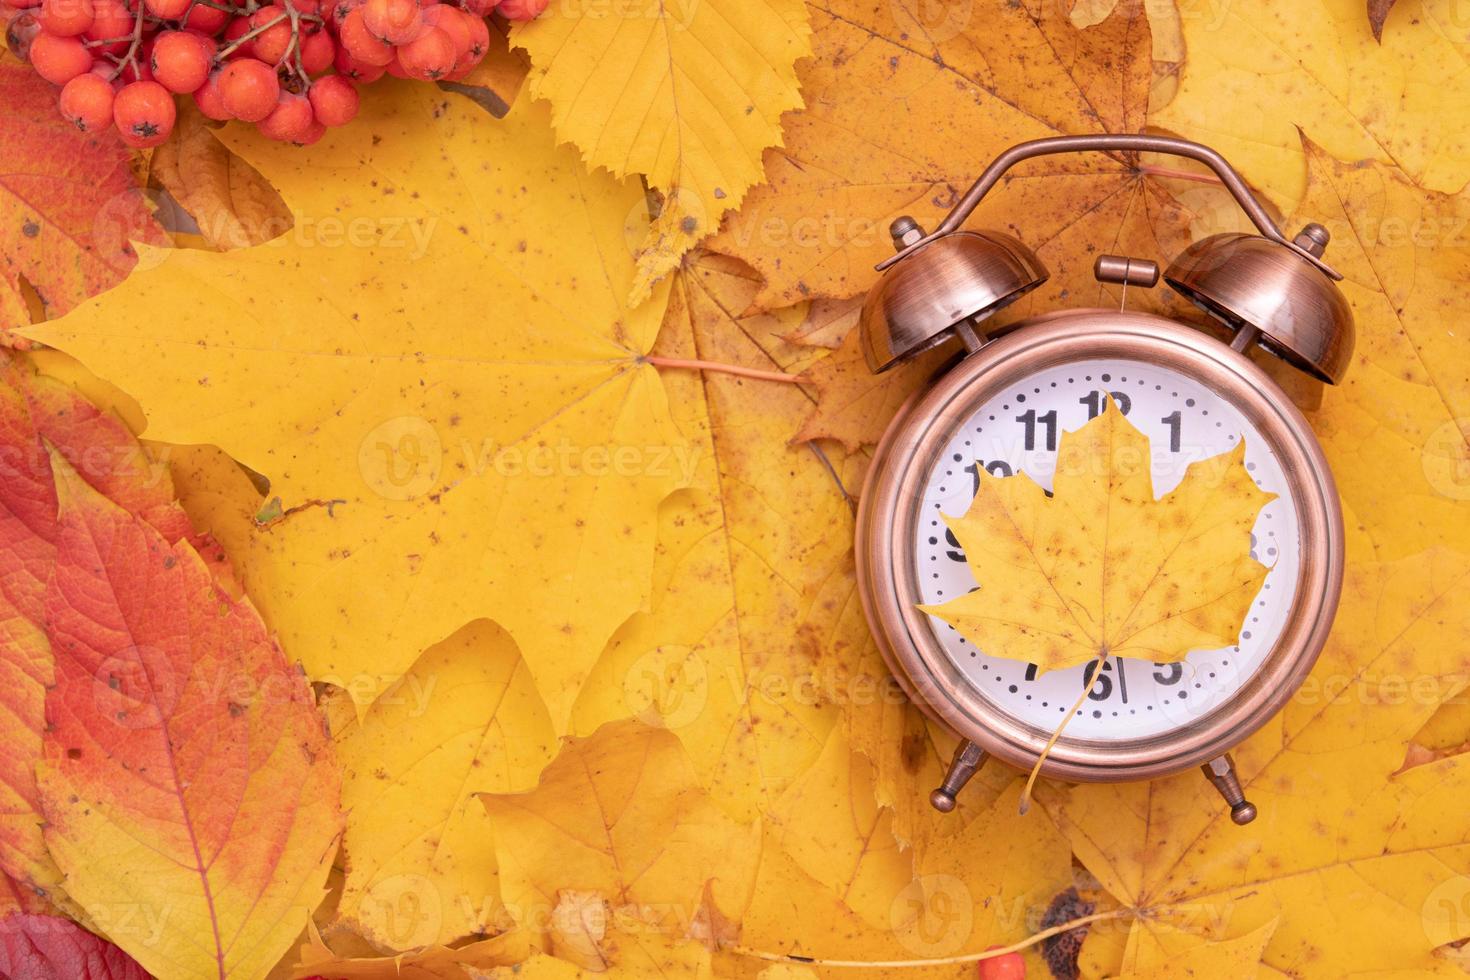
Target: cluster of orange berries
[291,67]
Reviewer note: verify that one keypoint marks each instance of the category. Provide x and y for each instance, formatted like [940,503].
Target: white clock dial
[1018,432]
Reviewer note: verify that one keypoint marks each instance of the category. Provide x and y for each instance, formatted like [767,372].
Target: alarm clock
[1002,407]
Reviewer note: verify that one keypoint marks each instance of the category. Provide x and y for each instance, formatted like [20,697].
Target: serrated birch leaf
[688,92]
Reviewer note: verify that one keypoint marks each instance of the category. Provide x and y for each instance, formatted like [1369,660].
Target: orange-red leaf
[47,947]
[186,771]
[35,412]
[68,203]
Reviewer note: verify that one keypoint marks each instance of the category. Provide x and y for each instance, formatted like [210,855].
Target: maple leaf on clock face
[903,115]
[1101,567]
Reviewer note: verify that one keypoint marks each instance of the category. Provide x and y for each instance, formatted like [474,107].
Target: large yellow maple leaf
[432,368]
[1259,73]
[720,657]
[688,92]
[620,814]
[465,718]
[1102,567]
[1343,836]
[907,103]
[835,882]
[1404,407]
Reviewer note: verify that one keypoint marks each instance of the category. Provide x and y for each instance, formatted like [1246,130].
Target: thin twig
[130,57]
[226,7]
[1044,934]
[294,51]
[718,368]
[249,36]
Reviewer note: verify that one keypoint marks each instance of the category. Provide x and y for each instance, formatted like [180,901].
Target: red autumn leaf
[68,202]
[47,947]
[36,412]
[186,771]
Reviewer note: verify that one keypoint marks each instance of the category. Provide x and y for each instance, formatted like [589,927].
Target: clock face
[1017,432]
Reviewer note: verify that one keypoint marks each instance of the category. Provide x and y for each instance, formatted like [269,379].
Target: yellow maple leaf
[854,405]
[718,658]
[834,882]
[465,718]
[1404,408]
[1104,568]
[1364,867]
[907,102]
[471,961]
[620,814]
[632,953]
[688,92]
[432,368]
[1259,73]
[1164,954]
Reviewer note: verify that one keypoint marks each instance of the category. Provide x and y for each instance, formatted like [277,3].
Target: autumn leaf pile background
[383,594]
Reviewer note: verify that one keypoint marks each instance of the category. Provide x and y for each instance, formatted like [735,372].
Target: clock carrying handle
[1123,141]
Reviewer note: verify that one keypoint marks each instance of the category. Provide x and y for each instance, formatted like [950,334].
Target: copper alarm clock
[1004,405]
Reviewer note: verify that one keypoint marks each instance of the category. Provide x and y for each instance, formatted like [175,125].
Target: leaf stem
[1154,171]
[1044,934]
[1097,669]
[718,368]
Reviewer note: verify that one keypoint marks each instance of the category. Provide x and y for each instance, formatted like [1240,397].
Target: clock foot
[1221,774]
[968,758]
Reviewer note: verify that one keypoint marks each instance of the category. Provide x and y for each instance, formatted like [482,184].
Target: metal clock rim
[885,529]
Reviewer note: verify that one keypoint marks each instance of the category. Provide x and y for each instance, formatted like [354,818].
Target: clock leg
[968,758]
[1221,774]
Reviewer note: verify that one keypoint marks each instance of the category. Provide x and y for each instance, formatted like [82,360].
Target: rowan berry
[249,88]
[143,113]
[86,102]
